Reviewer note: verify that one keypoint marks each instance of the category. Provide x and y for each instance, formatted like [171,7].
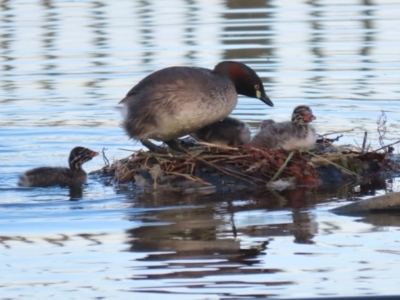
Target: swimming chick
[297,133]
[176,101]
[228,132]
[48,176]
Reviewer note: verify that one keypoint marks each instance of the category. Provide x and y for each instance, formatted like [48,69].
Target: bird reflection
[75,193]
[209,227]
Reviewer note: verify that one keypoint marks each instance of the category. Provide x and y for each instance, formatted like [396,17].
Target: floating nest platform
[208,167]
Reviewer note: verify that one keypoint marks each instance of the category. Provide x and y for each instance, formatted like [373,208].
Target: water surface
[64,67]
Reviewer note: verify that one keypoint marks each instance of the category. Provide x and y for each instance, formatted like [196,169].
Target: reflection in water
[249,30]
[195,242]
[145,16]
[60,240]
[321,27]
[5,239]
[75,193]
[100,42]
[363,85]
[191,239]
[7,36]
[248,36]
[49,36]
[99,25]
[316,42]
[382,219]
[298,48]
[190,34]
[213,227]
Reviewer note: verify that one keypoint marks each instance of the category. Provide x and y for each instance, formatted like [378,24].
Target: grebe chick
[228,132]
[295,134]
[48,176]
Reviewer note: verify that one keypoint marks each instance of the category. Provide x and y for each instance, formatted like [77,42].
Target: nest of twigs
[212,166]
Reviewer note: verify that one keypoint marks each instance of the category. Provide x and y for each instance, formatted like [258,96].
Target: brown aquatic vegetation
[208,166]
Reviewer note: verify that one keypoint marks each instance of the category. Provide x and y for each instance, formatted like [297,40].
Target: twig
[335,132]
[189,177]
[130,150]
[387,146]
[228,172]
[219,147]
[323,139]
[106,161]
[334,164]
[364,142]
[382,129]
[282,167]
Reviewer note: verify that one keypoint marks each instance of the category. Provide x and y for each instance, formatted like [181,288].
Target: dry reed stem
[189,177]
[382,129]
[364,142]
[336,132]
[334,164]
[282,167]
[387,146]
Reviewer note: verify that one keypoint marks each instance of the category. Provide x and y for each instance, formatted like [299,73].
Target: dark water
[65,65]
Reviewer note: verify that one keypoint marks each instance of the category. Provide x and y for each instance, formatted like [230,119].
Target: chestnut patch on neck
[236,73]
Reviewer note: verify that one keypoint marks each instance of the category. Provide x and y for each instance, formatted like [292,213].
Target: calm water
[65,65]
